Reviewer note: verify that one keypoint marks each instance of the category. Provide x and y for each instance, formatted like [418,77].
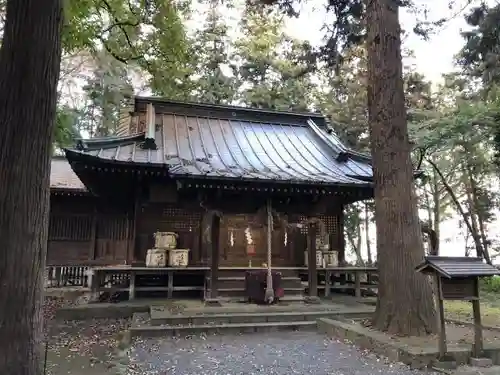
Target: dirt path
[83,348]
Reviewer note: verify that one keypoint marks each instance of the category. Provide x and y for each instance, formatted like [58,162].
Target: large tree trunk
[29,68]
[405,304]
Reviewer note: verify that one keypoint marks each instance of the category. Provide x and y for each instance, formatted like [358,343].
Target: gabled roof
[236,143]
[62,176]
[451,267]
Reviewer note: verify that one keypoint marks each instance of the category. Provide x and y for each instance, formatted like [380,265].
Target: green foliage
[210,55]
[490,284]
[268,64]
[65,130]
[480,56]
[106,90]
[149,34]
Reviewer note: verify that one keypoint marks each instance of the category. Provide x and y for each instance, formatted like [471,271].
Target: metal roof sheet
[62,176]
[215,147]
[458,266]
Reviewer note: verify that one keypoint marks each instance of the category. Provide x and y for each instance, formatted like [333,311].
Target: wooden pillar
[95,284]
[131,239]
[328,282]
[341,239]
[357,284]
[442,324]
[93,232]
[214,260]
[478,329]
[131,292]
[312,267]
[170,284]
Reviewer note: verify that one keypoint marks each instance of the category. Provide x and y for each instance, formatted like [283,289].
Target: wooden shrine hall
[224,189]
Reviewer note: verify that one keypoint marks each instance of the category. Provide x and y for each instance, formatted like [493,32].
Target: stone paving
[274,353]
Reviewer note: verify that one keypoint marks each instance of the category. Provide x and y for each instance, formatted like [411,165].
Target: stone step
[241,272]
[240,292]
[162,331]
[286,298]
[249,317]
[239,282]
[472,370]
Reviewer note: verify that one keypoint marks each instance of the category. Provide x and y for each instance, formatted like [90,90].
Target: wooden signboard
[463,289]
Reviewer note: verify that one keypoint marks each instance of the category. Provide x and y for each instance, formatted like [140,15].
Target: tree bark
[475,208]
[30,56]
[436,199]
[405,302]
[473,218]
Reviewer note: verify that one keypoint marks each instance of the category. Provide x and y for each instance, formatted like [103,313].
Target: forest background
[228,53]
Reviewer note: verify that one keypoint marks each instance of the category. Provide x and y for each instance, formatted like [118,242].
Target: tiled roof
[192,145]
[457,266]
[62,176]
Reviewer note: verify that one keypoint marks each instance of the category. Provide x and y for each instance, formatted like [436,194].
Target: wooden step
[184,330]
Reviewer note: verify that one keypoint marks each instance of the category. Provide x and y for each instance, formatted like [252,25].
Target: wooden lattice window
[178,219]
[331,224]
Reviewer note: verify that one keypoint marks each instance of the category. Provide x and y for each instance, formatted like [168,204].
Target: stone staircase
[231,285]
[231,318]
[474,370]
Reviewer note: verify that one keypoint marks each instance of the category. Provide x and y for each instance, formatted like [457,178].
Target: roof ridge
[167,101]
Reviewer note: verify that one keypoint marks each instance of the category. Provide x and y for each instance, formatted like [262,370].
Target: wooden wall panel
[62,252]
[112,237]
[69,238]
[85,230]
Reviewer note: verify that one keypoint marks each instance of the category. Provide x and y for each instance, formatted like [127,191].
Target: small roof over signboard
[451,267]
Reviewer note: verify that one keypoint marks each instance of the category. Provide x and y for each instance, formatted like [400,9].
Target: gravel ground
[274,353]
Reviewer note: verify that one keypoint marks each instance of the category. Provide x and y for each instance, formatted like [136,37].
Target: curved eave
[416,174]
[368,179]
[69,191]
[107,142]
[315,184]
[336,144]
[83,157]
[78,156]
